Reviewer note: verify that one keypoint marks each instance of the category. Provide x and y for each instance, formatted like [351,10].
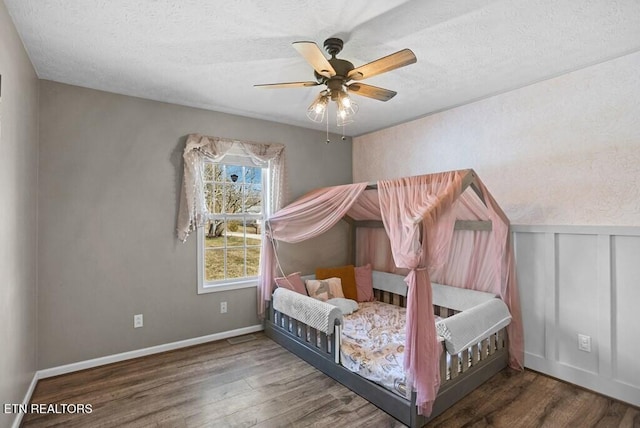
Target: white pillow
[346,306]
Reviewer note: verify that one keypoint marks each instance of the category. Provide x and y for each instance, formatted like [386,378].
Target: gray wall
[18,198]
[110,173]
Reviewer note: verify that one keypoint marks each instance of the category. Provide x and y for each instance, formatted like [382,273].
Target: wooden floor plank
[259,384]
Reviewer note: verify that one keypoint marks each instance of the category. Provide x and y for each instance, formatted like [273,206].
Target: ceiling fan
[342,78]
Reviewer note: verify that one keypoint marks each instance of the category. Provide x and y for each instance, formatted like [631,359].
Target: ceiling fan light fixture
[318,107]
[346,111]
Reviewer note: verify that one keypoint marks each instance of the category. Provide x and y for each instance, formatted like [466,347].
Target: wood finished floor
[258,383]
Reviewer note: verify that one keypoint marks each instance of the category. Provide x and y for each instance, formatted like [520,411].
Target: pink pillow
[364,283]
[292,282]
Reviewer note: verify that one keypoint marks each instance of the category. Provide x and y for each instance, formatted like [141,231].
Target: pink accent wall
[565,151]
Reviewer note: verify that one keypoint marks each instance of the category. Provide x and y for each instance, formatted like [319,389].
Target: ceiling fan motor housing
[333,46]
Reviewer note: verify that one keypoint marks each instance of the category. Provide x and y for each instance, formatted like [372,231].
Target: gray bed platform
[458,378]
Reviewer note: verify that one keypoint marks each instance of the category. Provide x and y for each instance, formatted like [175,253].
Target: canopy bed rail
[460,372]
[287,328]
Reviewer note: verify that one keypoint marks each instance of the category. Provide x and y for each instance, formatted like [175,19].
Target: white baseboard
[82,365]
[25,401]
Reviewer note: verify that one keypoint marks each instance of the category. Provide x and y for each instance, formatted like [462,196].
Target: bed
[441,228]
[369,361]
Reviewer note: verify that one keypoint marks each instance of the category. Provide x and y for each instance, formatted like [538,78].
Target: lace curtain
[193,210]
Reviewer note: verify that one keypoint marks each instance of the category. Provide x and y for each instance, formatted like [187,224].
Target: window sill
[214,288]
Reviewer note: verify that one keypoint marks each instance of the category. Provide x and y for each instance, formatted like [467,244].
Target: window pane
[253,259]
[234,233]
[209,197]
[214,265]
[253,175]
[233,198]
[208,172]
[219,198]
[218,172]
[234,174]
[253,230]
[214,234]
[253,198]
[235,263]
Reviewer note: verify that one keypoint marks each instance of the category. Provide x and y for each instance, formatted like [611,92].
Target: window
[229,243]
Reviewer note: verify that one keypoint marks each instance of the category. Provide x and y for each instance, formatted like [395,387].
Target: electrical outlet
[584,342]
[137,321]
[223,307]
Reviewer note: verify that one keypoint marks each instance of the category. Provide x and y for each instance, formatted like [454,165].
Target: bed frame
[457,378]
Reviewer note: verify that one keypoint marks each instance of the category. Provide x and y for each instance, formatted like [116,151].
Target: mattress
[372,345]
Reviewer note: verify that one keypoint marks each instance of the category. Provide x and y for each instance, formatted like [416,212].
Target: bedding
[373,337]
[373,344]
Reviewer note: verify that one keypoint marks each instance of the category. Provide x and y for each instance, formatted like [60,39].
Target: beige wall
[18,197]
[562,151]
[110,173]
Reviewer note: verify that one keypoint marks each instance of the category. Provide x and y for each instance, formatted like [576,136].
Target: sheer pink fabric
[412,207]
[310,216]
[419,215]
[484,261]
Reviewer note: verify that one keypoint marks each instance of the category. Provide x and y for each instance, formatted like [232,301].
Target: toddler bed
[364,350]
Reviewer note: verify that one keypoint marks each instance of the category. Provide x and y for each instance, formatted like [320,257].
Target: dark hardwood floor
[258,383]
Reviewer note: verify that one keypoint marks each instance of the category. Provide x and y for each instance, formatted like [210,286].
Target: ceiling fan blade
[314,56]
[382,65]
[286,85]
[371,91]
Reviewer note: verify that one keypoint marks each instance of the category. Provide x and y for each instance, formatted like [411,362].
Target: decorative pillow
[364,283]
[324,289]
[292,282]
[346,306]
[347,277]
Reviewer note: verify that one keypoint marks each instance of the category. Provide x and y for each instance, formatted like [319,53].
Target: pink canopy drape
[411,207]
[419,214]
[484,261]
[310,216]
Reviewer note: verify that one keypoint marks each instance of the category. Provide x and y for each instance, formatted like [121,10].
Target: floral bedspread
[372,346]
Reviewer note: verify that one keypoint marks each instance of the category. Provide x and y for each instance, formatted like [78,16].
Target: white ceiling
[208,54]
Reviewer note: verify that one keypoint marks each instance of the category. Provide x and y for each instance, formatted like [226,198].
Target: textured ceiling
[209,54]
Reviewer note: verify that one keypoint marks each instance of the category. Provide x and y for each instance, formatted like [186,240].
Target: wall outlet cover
[138,321]
[584,342]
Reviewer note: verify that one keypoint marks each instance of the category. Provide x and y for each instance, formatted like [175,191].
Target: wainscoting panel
[582,280]
[626,305]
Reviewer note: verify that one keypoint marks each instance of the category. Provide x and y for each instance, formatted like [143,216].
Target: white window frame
[204,286]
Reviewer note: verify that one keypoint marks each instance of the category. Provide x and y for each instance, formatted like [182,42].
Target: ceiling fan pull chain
[328,141]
